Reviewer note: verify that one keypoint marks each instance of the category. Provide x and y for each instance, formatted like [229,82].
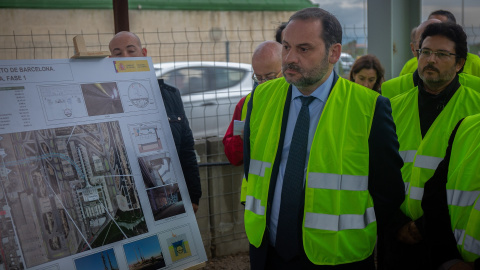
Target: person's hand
[462,266]
[195,207]
[409,234]
[241,135]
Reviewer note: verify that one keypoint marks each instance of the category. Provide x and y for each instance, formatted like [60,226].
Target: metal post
[227,50]
[120,15]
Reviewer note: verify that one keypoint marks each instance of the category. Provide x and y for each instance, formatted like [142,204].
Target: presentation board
[89,173]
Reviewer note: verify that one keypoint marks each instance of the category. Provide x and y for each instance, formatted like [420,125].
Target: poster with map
[89,174]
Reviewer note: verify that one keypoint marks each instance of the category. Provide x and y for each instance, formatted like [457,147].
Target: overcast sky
[352,12]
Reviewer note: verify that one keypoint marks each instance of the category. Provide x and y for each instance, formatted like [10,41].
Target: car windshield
[200,79]
[347,58]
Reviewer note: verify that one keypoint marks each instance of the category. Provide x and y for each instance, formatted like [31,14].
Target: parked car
[210,91]
[346,62]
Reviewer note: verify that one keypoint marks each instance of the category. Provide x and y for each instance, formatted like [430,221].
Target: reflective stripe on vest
[342,170]
[416,193]
[337,182]
[469,243]
[407,186]
[459,235]
[258,167]
[463,188]
[265,131]
[461,197]
[472,245]
[254,205]
[431,148]
[341,222]
[408,155]
[427,162]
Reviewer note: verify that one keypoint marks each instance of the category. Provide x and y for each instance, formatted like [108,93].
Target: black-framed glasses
[439,54]
[267,78]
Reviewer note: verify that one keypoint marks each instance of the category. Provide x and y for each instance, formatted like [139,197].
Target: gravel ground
[239,261]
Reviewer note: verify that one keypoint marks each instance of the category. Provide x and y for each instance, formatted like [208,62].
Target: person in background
[413,61]
[368,71]
[266,65]
[472,65]
[442,15]
[278,33]
[402,84]
[320,157]
[425,116]
[127,44]
[451,201]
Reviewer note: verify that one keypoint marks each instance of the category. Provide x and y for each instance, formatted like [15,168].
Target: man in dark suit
[323,176]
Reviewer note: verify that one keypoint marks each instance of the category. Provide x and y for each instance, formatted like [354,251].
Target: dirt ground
[239,261]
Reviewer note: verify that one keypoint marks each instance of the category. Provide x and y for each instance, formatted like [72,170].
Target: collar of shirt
[320,93]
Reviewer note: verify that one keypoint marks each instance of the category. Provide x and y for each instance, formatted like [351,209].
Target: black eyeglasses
[439,54]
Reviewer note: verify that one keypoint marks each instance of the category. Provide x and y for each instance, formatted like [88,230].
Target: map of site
[69,189]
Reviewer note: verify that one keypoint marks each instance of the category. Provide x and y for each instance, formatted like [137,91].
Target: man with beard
[321,158]
[425,117]
[409,78]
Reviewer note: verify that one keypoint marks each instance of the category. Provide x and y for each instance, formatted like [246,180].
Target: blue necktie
[290,218]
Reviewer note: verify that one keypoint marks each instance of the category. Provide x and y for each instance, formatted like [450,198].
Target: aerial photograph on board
[67,190]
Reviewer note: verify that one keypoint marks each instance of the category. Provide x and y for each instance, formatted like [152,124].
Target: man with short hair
[279,32]
[425,117]
[472,65]
[323,176]
[266,65]
[127,44]
[442,15]
[409,80]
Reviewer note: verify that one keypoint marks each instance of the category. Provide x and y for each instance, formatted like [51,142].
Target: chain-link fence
[212,70]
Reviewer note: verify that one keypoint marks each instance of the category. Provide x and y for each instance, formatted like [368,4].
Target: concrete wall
[220,215]
[168,35]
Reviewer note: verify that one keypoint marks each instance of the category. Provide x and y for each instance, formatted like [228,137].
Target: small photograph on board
[165,201]
[157,170]
[103,260]
[102,98]
[144,254]
[178,247]
[146,137]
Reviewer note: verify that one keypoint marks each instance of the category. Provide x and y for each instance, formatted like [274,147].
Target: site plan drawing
[89,174]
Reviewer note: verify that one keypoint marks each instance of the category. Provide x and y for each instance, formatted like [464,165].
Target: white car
[346,60]
[210,91]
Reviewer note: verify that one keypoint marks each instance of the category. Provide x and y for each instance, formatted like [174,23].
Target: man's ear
[460,64]
[412,48]
[144,51]
[334,53]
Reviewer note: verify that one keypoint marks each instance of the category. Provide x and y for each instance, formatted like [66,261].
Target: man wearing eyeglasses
[425,116]
[472,65]
[267,65]
[409,75]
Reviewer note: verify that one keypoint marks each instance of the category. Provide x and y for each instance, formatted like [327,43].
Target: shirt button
[179,118]
[168,118]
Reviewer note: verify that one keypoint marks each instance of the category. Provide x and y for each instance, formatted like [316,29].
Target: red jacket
[234,144]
